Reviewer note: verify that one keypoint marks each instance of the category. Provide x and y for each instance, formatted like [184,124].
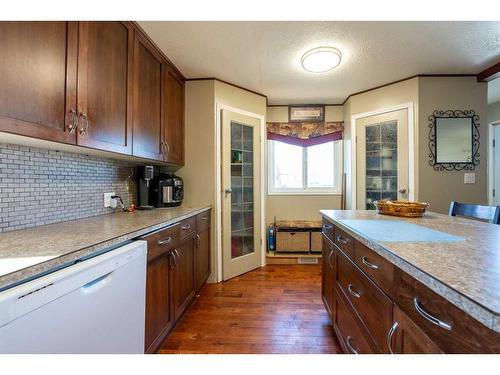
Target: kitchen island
[401,285]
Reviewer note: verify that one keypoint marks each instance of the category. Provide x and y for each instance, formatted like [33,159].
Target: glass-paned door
[241,193]
[382,158]
[242,186]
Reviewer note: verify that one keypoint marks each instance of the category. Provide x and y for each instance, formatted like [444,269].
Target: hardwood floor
[275,309]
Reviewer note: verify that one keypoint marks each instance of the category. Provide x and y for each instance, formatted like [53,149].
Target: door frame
[218,182]
[412,148]
[490,163]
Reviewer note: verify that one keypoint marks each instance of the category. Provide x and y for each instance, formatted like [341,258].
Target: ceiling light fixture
[320,60]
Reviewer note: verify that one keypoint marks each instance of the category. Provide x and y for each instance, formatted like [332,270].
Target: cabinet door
[104,86]
[405,337]
[147,99]
[327,275]
[174,119]
[184,277]
[202,257]
[38,63]
[159,308]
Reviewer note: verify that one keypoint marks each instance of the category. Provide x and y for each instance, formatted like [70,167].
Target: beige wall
[440,188]
[238,98]
[385,97]
[493,112]
[300,207]
[199,171]
[428,94]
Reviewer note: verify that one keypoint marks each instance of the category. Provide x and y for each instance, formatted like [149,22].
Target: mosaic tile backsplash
[40,186]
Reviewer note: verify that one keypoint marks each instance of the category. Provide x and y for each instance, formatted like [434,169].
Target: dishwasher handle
[97,284]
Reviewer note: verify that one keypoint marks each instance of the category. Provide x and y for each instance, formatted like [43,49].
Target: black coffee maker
[146,174]
[167,190]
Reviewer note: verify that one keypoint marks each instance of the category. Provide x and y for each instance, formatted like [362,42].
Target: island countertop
[466,272]
[27,253]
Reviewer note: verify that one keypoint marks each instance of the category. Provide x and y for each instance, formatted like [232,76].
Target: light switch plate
[469,178]
[108,202]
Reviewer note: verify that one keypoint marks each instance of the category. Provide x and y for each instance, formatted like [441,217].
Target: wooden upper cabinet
[173,134]
[38,62]
[104,86]
[147,100]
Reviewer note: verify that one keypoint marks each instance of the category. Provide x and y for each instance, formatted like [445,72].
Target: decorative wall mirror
[454,140]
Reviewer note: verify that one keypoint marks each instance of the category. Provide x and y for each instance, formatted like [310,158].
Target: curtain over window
[305,134]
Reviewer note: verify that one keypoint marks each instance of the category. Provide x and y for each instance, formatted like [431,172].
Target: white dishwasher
[94,306]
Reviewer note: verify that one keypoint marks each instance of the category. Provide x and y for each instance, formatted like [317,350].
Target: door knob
[228,191]
[402,190]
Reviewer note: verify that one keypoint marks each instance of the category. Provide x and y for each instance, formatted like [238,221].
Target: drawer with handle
[328,230]
[344,242]
[187,227]
[202,221]
[161,241]
[351,334]
[380,270]
[450,328]
[372,306]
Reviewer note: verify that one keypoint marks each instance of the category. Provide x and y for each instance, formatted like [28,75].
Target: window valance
[305,133]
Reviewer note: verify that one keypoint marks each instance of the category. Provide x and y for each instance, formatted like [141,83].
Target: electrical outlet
[469,178]
[108,202]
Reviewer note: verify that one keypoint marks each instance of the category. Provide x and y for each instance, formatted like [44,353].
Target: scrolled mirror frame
[475,140]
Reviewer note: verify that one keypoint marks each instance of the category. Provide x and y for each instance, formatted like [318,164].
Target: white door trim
[412,148]
[218,183]
[490,163]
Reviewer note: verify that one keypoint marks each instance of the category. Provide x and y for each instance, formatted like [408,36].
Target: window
[304,170]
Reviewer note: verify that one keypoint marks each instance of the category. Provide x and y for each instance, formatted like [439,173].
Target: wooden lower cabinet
[405,337]
[183,276]
[159,308]
[328,275]
[350,333]
[202,256]
[178,267]
[379,308]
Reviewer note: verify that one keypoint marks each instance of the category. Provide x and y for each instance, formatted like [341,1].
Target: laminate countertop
[29,253]
[465,270]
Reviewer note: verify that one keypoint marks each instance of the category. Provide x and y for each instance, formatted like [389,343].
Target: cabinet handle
[327,227]
[348,342]
[165,241]
[390,334]
[198,239]
[85,128]
[172,265]
[329,258]
[430,317]
[168,147]
[177,257]
[186,227]
[73,124]
[355,294]
[369,264]
[342,240]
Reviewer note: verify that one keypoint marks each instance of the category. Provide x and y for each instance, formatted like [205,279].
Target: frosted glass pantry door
[241,195]
[381,158]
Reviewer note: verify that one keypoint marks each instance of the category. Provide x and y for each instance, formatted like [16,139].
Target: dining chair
[490,213]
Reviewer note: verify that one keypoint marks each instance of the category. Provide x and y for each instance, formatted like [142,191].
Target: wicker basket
[400,208]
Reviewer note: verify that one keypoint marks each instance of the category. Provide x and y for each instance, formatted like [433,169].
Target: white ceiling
[265,56]
[494,91]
